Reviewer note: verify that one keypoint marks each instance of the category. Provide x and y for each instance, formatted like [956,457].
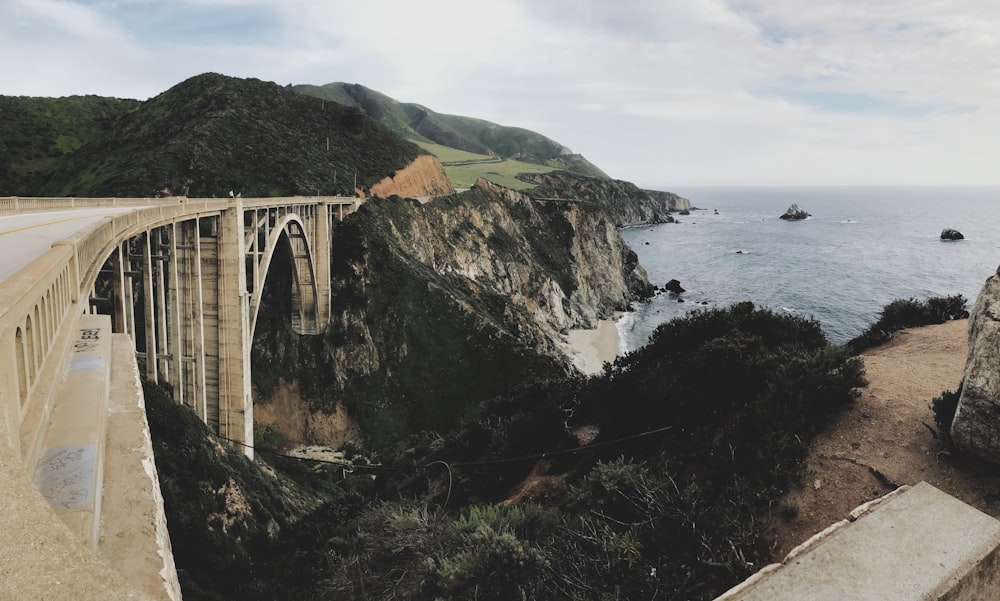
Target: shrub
[909,313]
[944,408]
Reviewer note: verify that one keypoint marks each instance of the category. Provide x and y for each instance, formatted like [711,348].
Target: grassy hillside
[37,133]
[419,123]
[453,155]
[504,173]
[212,134]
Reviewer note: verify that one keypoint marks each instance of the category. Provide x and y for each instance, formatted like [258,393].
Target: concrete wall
[915,544]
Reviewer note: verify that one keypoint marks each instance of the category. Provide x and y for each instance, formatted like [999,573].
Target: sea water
[862,248]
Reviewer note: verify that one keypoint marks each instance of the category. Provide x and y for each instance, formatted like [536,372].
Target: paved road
[25,237]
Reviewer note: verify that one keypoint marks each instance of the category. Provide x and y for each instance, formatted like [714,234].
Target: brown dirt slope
[885,439]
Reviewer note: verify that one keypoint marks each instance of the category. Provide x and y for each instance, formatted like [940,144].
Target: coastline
[591,349]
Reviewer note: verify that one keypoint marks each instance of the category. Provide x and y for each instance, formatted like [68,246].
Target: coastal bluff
[439,306]
[627,204]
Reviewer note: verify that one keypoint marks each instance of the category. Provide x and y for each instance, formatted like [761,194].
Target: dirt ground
[888,431]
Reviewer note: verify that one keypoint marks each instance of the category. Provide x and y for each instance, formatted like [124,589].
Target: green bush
[741,390]
[909,313]
[944,408]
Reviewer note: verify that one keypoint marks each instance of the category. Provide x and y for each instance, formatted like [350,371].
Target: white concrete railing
[35,302]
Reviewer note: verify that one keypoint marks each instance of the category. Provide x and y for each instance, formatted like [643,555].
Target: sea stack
[950,234]
[794,213]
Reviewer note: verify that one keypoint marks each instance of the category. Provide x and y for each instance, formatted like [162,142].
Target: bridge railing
[36,302]
[18,204]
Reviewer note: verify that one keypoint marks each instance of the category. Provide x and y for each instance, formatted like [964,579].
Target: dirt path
[885,431]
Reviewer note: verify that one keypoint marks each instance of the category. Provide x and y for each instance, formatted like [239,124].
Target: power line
[466,464]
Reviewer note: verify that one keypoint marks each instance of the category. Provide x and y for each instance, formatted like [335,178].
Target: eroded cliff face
[424,176]
[438,307]
[976,427]
[625,202]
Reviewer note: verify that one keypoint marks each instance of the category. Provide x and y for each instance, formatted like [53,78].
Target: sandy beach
[591,349]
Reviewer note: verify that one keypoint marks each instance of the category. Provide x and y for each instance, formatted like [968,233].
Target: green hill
[421,124]
[212,134]
[37,133]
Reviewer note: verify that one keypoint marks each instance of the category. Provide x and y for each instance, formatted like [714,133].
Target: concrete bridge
[96,290]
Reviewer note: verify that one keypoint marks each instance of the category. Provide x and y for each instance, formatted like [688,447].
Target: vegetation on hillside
[235,524]
[732,397]
[37,133]
[416,122]
[213,134]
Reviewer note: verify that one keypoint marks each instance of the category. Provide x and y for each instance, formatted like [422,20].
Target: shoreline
[590,349]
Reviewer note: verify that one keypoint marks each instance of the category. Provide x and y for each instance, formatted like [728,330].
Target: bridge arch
[305,295]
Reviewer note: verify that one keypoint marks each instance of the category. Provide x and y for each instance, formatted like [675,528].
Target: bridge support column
[174,317]
[148,294]
[163,349]
[119,303]
[321,246]
[235,403]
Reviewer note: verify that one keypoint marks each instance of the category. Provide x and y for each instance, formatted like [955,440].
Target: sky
[664,93]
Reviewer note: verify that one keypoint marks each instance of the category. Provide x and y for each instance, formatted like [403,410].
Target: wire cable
[466,464]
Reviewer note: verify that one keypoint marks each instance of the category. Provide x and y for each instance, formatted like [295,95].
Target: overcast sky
[665,93]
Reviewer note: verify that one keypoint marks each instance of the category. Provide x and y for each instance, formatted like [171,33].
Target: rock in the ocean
[950,234]
[794,213]
[976,428]
[673,286]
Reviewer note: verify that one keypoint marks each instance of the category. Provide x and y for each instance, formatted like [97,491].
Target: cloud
[700,91]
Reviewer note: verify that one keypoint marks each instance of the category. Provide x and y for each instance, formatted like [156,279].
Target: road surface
[25,237]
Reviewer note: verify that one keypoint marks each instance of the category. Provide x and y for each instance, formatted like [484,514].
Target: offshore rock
[950,234]
[673,286]
[795,213]
[976,428]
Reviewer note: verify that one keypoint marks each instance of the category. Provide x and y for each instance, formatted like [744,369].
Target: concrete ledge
[40,557]
[70,469]
[134,537]
[919,544]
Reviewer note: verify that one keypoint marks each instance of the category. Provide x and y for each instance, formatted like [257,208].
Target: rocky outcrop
[625,202]
[440,306]
[795,213]
[674,286]
[423,177]
[950,234]
[976,427]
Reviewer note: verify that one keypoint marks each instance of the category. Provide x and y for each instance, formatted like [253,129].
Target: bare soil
[289,414]
[886,440]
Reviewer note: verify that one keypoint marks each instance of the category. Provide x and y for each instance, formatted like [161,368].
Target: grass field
[446,154]
[503,173]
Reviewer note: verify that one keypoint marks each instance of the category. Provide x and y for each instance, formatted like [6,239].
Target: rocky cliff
[423,177]
[440,306]
[976,427]
[625,202]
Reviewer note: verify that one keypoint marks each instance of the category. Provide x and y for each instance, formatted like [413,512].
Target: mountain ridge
[417,122]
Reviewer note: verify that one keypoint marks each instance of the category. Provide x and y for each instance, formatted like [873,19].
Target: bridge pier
[235,402]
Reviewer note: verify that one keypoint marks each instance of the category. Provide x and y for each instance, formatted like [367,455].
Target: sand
[591,349]
[888,431]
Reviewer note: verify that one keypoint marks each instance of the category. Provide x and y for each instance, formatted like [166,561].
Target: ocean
[862,248]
